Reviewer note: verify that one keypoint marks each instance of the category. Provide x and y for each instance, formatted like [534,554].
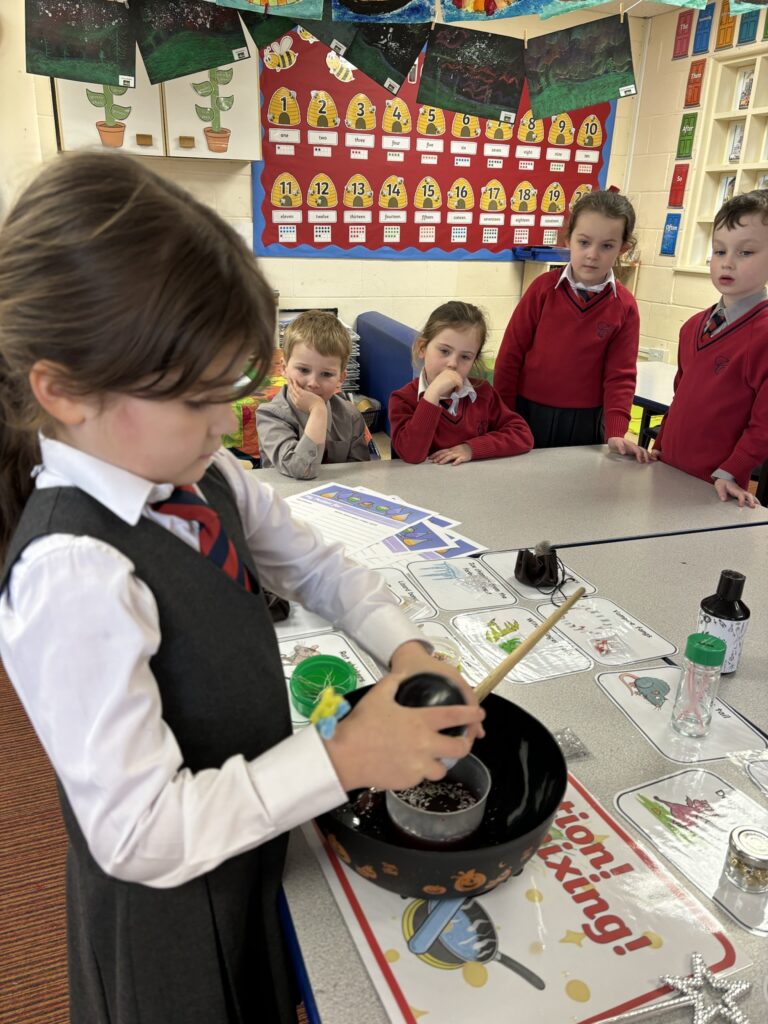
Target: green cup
[312,675]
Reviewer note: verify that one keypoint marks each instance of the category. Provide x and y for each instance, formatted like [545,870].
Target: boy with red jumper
[443,415]
[568,358]
[717,425]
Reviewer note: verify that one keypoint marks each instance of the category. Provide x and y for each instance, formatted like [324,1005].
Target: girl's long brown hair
[126,283]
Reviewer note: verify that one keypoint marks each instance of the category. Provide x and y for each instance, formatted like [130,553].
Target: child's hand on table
[623,446]
[730,489]
[456,455]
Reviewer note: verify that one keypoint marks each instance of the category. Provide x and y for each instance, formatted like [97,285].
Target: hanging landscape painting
[82,40]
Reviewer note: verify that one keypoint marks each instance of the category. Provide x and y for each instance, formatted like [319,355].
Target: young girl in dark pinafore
[151,672]
[568,359]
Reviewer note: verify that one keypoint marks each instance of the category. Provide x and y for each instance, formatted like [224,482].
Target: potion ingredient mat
[646,697]
[587,929]
[609,634]
[688,817]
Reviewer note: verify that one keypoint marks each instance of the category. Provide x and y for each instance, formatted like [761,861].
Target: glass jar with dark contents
[746,862]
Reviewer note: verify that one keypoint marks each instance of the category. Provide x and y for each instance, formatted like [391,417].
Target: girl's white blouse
[77,632]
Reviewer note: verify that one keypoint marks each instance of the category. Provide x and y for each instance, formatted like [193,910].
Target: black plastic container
[725,615]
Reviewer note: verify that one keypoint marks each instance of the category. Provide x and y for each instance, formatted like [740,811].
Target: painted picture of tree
[182,37]
[81,40]
[112,128]
[386,53]
[579,66]
[216,137]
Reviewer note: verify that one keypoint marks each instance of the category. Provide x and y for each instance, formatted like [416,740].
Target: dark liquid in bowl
[439,797]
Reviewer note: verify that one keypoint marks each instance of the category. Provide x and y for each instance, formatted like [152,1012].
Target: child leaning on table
[568,359]
[132,618]
[717,425]
[308,422]
[443,415]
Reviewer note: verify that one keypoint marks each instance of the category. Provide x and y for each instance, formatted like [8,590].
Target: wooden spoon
[493,678]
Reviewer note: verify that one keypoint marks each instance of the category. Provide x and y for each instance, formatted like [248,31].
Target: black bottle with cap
[724,614]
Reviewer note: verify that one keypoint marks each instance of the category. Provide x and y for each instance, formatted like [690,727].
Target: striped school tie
[716,320]
[584,294]
[185,503]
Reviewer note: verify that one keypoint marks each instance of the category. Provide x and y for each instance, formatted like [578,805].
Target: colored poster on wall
[349,168]
[694,84]
[703,29]
[686,137]
[181,37]
[490,10]
[386,53]
[81,40]
[477,73]
[669,237]
[682,35]
[677,188]
[726,27]
[589,63]
[748,27]
[384,10]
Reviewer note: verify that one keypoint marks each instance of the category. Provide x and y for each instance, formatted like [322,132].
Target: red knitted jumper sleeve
[507,433]
[751,450]
[518,339]
[412,422]
[620,370]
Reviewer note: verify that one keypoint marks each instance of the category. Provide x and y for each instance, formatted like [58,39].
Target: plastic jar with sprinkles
[746,863]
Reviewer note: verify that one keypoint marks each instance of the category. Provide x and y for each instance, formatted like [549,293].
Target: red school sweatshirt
[560,351]
[489,428]
[718,418]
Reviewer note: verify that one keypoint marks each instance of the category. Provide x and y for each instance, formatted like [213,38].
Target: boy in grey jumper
[308,422]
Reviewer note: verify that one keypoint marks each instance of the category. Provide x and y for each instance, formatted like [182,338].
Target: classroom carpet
[32,851]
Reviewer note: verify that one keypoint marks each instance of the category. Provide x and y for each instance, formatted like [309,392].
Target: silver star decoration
[694,987]
[692,993]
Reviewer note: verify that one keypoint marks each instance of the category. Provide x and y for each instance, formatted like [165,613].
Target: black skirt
[561,428]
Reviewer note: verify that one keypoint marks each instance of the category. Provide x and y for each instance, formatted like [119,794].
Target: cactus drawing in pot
[216,137]
[112,129]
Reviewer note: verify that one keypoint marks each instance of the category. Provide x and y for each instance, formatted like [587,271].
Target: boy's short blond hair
[319,330]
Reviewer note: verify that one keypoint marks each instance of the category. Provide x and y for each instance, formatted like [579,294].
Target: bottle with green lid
[697,689]
[724,614]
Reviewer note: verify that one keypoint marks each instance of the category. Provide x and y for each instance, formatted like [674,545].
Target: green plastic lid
[313,674]
[705,649]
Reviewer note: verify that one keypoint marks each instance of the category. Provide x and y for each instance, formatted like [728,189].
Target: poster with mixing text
[354,167]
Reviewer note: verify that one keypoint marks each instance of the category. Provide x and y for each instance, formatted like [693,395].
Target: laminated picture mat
[688,817]
[587,929]
[352,167]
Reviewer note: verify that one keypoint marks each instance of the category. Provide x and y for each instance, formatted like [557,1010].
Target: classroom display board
[350,167]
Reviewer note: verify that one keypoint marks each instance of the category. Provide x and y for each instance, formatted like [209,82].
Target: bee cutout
[578,193]
[561,130]
[397,117]
[524,198]
[393,194]
[358,193]
[286,191]
[339,67]
[431,121]
[465,126]
[553,200]
[284,108]
[590,132]
[322,111]
[428,195]
[361,114]
[530,129]
[321,193]
[278,55]
[492,196]
[460,195]
[306,36]
[499,131]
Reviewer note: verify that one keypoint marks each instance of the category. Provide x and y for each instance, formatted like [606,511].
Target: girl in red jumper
[443,415]
[568,358]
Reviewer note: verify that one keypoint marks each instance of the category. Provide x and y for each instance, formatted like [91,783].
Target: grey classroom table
[661,581]
[563,495]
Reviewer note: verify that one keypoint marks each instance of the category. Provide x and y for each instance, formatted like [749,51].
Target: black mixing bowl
[528,780]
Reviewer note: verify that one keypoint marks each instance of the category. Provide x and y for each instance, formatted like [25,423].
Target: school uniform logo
[720,363]
[603,330]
